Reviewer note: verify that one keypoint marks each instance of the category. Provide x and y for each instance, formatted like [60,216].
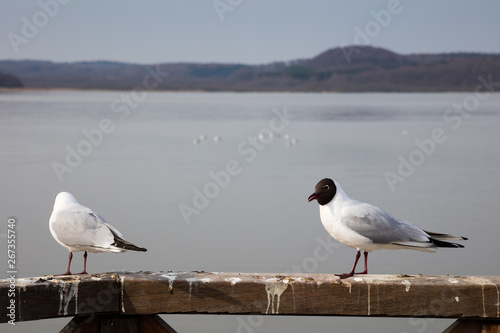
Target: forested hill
[10,81]
[339,69]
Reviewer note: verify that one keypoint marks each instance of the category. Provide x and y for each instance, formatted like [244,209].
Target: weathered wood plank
[60,296]
[253,293]
[311,294]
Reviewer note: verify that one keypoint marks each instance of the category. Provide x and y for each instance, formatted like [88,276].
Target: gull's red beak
[312,197]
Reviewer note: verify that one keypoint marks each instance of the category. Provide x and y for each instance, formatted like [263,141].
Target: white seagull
[79,228]
[368,228]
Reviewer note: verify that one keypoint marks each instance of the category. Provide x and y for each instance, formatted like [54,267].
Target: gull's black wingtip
[440,236]
[130,246]
[121,243]
[440,243]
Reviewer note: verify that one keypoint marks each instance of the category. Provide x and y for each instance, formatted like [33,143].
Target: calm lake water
[240,204]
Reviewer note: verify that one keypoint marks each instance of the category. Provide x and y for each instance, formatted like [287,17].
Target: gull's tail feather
[123,244]
[419,246]
[435,235]
[433,242]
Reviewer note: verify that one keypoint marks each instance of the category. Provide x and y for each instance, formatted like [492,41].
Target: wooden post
[118,324]
[473,326]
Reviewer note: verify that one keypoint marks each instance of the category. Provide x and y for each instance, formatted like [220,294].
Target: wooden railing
[119,300]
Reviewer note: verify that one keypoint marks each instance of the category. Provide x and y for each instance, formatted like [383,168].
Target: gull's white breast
[338,230]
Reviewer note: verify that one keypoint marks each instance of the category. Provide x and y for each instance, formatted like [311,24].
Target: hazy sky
[245,31]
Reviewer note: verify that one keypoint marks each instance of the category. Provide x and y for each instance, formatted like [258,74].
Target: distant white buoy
[196,141]
[286,136]
[217,138]
[294,141]
[203,137]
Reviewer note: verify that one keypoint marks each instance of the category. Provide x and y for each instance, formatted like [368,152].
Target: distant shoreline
[33,89]
[369,70]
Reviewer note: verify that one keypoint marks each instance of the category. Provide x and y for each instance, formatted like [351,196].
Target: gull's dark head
[324,191]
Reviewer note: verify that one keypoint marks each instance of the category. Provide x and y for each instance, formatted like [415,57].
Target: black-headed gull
[78,228]
[367,228]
